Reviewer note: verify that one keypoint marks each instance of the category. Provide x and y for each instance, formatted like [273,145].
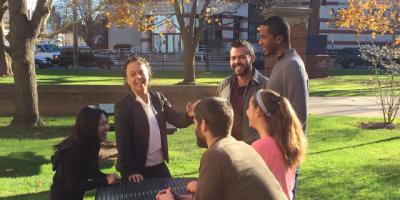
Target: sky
[31,4]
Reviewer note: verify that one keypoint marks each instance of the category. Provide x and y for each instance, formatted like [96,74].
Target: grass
[343,162]
[341,82]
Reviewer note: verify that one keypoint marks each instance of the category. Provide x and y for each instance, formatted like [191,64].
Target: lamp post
[75,35]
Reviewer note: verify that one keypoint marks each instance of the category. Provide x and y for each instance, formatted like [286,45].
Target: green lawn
[341,82]
[343,162]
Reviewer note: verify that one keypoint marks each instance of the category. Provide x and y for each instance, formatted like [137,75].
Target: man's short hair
[245,44]
[217,113]
[278,26]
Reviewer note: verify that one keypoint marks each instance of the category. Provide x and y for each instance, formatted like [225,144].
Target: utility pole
[75,35]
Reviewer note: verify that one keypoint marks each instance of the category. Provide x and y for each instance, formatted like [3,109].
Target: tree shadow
[339,93]
[21,164]
[46,132]
[187,174]
[354,146]
[32,196]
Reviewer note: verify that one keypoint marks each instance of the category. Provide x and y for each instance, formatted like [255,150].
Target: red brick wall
[68,100]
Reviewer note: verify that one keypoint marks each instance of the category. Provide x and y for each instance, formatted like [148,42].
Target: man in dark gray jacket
[288,77]
[240,86]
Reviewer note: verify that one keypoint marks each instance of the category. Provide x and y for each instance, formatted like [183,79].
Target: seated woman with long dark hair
[282,143]
[76,158]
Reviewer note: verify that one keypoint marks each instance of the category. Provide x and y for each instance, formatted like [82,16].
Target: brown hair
[284,127]
[133,59]
[218,114]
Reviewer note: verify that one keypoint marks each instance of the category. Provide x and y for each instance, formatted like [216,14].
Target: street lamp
[75,34]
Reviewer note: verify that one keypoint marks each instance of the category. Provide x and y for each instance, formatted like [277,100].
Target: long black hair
[85,131]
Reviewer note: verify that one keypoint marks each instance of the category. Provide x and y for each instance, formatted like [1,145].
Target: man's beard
[201,141]
[245,72]
[271,52]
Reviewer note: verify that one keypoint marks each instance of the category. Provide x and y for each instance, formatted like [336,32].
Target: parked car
[42,63]
[47,53]
[86,58]
[350,57]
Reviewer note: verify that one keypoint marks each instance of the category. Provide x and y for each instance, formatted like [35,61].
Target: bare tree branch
[68,25]
[193,13]
[180,18]
[40,15]
[202,22]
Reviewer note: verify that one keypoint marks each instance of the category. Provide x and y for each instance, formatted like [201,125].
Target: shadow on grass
[21,164]
[186,174]
[354,146]
[33,196]
[340,93]
[46,132]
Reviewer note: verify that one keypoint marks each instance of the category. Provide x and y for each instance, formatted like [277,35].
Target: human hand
[165,195]
[112,179]
[191,186]
[190,108]
[136,178]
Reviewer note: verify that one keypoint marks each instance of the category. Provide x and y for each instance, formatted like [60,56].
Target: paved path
[350,106]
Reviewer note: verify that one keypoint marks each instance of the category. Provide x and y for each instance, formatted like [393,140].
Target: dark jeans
[156,171]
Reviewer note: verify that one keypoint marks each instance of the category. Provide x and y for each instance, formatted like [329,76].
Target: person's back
[233,170]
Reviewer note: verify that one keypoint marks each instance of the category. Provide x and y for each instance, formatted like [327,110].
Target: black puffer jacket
[75,172]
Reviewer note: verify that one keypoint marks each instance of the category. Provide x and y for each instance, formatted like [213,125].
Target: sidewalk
[349,106]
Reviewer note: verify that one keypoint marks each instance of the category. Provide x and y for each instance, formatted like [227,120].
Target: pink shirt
[272,155]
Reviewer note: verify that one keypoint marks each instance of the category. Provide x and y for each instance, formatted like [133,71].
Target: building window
[166,39]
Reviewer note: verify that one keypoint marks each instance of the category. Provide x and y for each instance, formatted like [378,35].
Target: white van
[48,53]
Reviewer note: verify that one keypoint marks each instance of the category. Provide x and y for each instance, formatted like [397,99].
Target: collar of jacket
[257,76]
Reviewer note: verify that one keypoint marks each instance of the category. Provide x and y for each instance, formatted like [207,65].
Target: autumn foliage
[378,17]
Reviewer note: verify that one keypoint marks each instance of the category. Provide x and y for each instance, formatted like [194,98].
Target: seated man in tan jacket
[229,169]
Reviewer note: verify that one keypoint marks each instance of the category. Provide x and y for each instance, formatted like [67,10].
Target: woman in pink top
[282,144]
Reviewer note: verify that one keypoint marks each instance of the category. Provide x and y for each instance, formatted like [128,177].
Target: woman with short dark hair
[76,158]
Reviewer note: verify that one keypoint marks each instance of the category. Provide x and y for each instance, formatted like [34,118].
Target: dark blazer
[75,172]
[132,130]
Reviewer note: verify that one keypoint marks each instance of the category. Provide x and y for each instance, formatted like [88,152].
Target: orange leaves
[375,16]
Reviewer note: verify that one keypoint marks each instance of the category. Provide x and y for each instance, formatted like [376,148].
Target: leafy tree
[22,37]
[378,17]
[191,16]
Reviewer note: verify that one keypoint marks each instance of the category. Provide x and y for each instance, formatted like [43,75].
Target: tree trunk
[190,63]
[5,62]
[22,42]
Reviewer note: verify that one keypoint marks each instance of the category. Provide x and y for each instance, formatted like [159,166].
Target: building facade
[338,38]
[226,26]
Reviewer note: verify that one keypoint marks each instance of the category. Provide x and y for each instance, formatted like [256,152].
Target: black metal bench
[146,190]
[109,108]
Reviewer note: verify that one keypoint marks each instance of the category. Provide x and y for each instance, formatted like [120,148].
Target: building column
[297,17]
[146,40]
[227,32]
[244,26]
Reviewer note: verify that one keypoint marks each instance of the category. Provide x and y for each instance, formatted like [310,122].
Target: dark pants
[296,183]
[156,171]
